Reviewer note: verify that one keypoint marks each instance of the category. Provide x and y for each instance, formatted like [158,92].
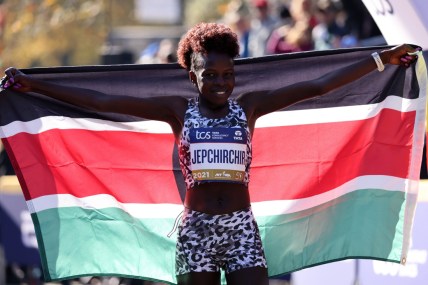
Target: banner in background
[401,21]
[17,234]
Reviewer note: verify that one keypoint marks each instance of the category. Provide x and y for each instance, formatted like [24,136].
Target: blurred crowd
[263,28]
[271,27]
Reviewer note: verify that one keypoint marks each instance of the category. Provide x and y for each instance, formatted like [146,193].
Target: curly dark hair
[204,38]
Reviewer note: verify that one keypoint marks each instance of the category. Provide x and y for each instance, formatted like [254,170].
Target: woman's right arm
[167,109]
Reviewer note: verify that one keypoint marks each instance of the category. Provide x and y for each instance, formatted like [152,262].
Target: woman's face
[215,78]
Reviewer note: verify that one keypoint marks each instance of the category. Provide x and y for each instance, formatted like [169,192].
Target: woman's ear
[192,77]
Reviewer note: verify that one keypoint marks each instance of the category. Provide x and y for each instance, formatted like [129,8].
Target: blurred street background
[88,32]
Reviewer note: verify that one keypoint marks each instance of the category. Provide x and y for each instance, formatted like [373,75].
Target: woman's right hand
[17,80]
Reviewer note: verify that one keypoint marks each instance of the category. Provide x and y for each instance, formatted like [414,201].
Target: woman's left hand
[400,55]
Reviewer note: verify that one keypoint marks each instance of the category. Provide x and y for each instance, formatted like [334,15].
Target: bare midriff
[217,198]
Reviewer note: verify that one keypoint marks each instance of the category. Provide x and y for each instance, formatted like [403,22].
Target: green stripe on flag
[85,242]
[366,223]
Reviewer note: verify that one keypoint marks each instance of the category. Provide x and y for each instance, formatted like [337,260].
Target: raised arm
[167,109]
[260,103]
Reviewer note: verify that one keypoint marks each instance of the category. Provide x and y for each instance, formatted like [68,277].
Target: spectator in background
[159,52]
[166,52]
[262,26]
[331,28]
[296,32]
[149,53]
[237,17]
[361,24]
[303,10]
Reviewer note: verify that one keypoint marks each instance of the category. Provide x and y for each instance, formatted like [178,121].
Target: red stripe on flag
[313,159]
[133,167]
[289,162]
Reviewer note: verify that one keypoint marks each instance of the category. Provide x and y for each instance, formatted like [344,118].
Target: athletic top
[215,150]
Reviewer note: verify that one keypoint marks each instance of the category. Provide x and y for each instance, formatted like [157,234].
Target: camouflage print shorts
[208,243]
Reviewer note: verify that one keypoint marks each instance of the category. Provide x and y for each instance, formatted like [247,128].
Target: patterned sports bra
[215,150]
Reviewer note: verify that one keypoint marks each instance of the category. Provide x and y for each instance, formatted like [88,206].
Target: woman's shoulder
[250,98]
[250,102]
[187,106]
[176,101]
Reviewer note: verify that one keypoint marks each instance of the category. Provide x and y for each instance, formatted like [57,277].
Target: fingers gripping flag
[333,177]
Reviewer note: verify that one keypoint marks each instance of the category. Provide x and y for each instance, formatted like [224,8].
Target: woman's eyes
[212,75]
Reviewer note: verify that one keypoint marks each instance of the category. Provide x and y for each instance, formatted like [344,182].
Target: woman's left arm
[260,103]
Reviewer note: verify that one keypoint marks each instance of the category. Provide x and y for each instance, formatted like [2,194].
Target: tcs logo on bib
[202,135]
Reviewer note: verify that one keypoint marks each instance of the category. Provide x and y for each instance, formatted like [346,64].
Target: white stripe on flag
[338,114]
[102,201]
[276,119]
[43,124]
[266,208]
[382,182]
[416,158]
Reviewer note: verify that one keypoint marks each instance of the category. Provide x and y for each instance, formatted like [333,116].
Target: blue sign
[415,272]
[17,235]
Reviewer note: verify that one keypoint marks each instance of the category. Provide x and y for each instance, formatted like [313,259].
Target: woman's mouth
[220,92]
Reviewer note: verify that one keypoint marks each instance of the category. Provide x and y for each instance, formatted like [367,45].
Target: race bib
[218,154]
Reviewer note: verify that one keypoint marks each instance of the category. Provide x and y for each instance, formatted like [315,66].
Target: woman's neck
[213,111]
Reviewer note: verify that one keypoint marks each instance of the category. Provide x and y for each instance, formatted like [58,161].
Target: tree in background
[58,32]
[72,32]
